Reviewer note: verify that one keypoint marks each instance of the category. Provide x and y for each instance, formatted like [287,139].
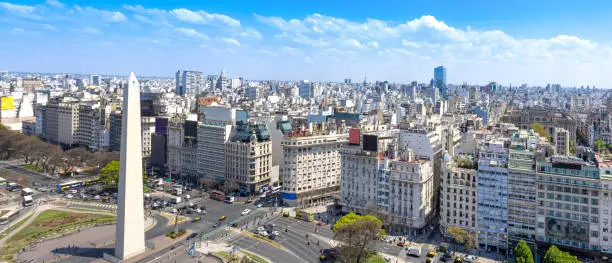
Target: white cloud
[353,43]
[268,52]
[21,10]
[55,3]
[308,60]
[49,27]
[91,30]
[407,43]
[108,16]
[251,33]
[202,17]
[231,41]
[373,44]
[17,30]
[144,19]
[190,32]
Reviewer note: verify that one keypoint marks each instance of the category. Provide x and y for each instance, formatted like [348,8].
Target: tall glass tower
[439,80]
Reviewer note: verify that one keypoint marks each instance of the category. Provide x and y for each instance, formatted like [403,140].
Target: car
[234,225]
[271,237]
[320,223]
[69,196]
[261,228]
[215,225]
[174,211]
[329,255]
[286,214]
[192,235]
[246,212]
[191,205]
[248,201]
[401,244]
[469,258]
[446,257]
[275,233]
[197,219]
[222,218]
[263,233]
[458,260]
[431,254]
[429,260]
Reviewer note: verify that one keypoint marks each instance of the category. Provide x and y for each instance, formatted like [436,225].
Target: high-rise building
[605,202]
[311,172]
[459,194]
[522,188]
[94,80]
[492,195]
[62,120]
[221,84]
[148,128]
[189,82]
[306,89]
[561,138]
[212,136]
[248,157]
[182,148]
[568,198]
[114,120]
[439,80]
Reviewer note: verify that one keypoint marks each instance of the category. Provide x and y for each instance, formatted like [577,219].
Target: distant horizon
[399,41]
[296,80]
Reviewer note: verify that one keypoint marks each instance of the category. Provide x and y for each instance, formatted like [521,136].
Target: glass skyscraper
[439,80]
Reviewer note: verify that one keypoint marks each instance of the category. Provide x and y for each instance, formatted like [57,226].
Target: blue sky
[534,42]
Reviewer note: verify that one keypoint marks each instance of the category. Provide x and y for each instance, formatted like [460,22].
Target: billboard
[8,103]
[567,229]
[370,142]
[354,136]
[161,126]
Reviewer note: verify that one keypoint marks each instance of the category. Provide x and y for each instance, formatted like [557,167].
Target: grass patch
[3,212]
[227,256]
[174,235]
[47,223]
[254,257]
[373,257]
[31,167]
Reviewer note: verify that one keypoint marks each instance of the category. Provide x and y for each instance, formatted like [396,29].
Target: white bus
[27,192]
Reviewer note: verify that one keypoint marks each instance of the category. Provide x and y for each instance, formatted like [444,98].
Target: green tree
[599,145]
[540,129]
[522,253]
[461,236]
[555,255]
[109,174]
[354,233]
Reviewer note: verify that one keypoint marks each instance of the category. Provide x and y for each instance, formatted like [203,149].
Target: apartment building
[568,203]
[311,170]
[212,136]
[248,157]
[114,120]
[182,149]
[493,195]
[459,194]
[561,138]
[605,199]
[62,119]
[522,187]
[147,125]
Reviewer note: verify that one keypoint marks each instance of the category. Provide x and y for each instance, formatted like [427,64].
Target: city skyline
[477,44]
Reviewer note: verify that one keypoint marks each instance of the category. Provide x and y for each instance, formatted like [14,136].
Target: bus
[308,217]
[217,195]
[276,189]
[68,185]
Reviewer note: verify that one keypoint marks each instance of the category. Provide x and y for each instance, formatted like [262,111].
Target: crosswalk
[95,205]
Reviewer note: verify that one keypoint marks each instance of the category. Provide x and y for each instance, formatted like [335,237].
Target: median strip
[257,237]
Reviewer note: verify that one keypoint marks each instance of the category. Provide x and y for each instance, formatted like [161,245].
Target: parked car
[197,219]
[246,212]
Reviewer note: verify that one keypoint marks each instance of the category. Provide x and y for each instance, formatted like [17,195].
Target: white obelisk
[130,237]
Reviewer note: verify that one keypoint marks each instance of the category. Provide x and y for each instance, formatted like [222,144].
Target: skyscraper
[439,80]
[189,82]
[306,89]
[94,80]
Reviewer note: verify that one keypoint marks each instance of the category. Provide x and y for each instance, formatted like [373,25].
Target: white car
[97,197]
[259,205]
[69,196]
[469,259]
[260,229]
[263,233]
[275,233]
[174,211]
[191,205]
[246,212]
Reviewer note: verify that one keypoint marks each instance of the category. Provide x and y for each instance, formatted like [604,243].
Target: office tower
[493,195]
[306,89]
[311,172]
[182,148]
[248,157]
[62,120]
[130,238]
[221,84]
[189,82]
[94,80]
[568,198]
[439,80]
[114,120]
